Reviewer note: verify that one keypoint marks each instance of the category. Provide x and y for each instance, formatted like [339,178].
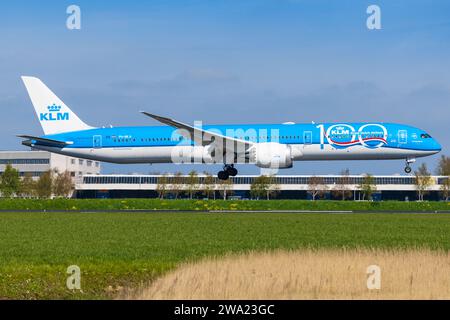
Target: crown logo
[54,108]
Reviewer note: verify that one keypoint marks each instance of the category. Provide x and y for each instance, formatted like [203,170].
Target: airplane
[274,146]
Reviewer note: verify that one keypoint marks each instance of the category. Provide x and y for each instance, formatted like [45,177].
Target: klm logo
[340,130]
[54,114]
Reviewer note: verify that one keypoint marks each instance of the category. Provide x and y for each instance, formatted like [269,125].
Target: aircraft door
[97,141]
[307,137]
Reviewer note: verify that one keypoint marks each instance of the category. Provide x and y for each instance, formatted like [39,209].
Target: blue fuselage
[315,141]
[344,135]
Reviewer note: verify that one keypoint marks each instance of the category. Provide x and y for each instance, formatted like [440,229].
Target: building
[394,187]
[37,162]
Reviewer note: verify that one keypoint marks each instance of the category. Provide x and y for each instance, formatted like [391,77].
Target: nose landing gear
[408,167]
[228,170]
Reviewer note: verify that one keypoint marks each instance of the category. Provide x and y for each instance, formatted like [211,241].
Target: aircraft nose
[436,146]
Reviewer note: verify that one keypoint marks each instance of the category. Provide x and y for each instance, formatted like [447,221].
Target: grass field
[206,205]
[117,250]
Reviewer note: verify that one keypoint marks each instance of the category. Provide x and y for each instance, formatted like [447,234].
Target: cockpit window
[425,136]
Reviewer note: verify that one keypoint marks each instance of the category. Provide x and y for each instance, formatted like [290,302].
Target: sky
[229,61]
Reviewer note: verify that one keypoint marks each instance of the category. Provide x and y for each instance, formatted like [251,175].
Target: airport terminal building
[35,163]
[393,187]
[89,183]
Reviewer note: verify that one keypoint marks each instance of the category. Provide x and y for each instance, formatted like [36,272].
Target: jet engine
[271,155]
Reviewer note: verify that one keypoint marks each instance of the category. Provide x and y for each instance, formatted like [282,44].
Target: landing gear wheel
[408,169]
[232,171]
[223,175]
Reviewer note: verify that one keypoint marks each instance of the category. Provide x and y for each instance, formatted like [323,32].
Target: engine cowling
[272,155]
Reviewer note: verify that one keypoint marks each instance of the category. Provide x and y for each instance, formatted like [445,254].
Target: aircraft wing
[210,138]
[50,142]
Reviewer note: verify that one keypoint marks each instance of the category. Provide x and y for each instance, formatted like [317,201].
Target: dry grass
[307,274]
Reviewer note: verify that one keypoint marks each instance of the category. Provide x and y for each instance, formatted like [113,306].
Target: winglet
[154,116]
[168,121]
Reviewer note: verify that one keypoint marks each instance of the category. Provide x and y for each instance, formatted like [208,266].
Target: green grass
[156,204]
[126,249]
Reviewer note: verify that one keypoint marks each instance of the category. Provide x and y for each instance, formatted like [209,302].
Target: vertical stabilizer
[53,114]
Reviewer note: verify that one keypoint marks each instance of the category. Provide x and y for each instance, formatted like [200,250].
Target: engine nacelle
[272,155]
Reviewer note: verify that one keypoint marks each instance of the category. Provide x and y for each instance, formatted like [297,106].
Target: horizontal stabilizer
[31,140]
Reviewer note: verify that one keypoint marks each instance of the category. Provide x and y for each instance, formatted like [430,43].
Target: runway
[241,211]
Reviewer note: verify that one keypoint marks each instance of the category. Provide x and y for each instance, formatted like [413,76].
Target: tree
[193,183]
[62,184]
[274,187]
[27,186]
[226,188]
[443,168]
[342,189]
[445,188]
[162,186]
[208,185]
[10,182]
[316,187]
[423,181]
[44,185]
[259,187]
[368,186]
[264,186]
[177,185]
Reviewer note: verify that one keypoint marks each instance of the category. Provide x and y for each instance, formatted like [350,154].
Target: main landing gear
[408,167]
[228,171]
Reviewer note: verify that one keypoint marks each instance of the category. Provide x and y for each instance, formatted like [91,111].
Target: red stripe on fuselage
[356,141]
